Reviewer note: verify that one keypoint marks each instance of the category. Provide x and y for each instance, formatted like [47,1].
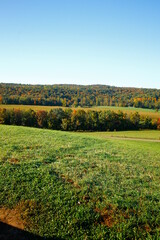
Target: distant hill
[79,95]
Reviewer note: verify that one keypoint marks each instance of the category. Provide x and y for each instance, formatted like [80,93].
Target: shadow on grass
[8,232]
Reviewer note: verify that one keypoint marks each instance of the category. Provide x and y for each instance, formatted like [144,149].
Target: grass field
[81,185]
[143,112]
[145,134]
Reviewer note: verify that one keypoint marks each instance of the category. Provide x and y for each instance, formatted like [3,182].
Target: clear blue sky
[112,42]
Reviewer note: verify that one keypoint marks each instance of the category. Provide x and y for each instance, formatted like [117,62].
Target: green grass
[145,134]
[132,109]
[81,185]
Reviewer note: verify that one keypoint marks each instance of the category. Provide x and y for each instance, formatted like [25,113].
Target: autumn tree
[41,117]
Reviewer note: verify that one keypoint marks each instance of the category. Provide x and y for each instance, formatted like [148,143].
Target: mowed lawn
[70,185]
[128,110]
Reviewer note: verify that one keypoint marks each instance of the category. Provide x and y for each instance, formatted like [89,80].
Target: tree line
[79,95]
[77,120]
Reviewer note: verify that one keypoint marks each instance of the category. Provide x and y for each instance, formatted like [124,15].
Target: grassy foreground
[80,185]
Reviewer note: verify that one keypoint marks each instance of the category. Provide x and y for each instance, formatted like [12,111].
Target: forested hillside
[78,95]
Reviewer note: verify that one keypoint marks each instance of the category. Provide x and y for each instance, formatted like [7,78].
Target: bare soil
[11,217]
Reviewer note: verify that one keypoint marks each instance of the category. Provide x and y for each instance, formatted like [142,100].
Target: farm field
[70,185]
[144,135]
[143,112]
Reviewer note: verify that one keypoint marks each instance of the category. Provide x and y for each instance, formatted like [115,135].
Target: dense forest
[78,95]
[77,120]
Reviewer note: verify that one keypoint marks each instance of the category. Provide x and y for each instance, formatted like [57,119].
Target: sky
[111,42]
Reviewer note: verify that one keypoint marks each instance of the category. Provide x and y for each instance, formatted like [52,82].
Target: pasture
[137,135]
[70,185]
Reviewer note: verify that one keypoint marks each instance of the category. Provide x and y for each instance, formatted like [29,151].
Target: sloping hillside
[78,95]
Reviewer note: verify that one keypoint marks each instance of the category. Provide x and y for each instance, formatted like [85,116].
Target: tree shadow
[8,232]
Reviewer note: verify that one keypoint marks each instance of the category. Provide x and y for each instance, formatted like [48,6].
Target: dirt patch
[21,216]
[111,215]
[15,223]
[12,217]
[68,180]
[13,160]
[147,228]
[69,155]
